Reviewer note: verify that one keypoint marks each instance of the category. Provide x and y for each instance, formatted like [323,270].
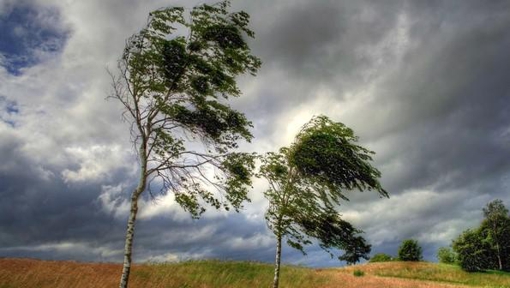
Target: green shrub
[446,255]
[409,250]
[380,257]
[358,273]
[474,254]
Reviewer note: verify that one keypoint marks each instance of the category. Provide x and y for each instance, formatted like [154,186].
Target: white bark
[130,231]
[276,280]
[128,247]
[499,257]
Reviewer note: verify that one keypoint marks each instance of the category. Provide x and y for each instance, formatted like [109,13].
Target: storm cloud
[423,83]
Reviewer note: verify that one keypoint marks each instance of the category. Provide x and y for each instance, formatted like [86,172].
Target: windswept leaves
[334,232]
[176,76]
[326,154]
[309,179]
[175,89]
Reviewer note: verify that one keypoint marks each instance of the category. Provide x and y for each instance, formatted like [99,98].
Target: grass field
[17,273]
[433,273]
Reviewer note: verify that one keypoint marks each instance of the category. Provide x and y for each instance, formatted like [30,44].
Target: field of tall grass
[444,273]
[27,273]
[17,273]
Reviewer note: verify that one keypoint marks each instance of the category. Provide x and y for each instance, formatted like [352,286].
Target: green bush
[474,254]
[380,257]
[446,255]
[358,273]
[409,250]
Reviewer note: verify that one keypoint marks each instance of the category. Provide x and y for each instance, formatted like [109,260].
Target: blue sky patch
[28,35]
[8,109]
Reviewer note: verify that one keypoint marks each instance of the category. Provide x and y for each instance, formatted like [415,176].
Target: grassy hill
[17,273]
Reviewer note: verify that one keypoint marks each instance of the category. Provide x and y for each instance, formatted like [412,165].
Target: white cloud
[428,215]
[163,206]
[257,241]
[96,162]
[112,202]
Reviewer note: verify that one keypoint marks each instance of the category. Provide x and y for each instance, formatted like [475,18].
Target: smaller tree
[380,257]
[446,255]
[409,250]
[306,183]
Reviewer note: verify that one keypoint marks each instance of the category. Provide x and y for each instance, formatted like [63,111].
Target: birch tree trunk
[499,258]
[130,231]
[128,246]
[276,279]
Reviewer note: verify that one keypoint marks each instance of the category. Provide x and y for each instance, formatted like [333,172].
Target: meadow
[17,273]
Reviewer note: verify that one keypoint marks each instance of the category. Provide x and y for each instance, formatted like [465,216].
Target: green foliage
[446,255]
[409,250]
[358,273]
[495,209]
[325,155]
[380,257]
[473,253]
[488,246]
[495,230]
[333,232]
[306,183]
[175,89]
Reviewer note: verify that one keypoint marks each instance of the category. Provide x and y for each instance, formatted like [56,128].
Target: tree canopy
[446,255]
[410,250]
[175,91]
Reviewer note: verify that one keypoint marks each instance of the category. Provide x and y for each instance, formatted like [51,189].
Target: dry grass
[443,273]
[35,273]
[347,280]
[26,273]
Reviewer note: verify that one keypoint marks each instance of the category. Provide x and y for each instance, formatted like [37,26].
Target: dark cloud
[308,46]
[424,83]
[450,97]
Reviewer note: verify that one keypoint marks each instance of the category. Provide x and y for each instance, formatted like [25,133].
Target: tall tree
[308,180]
[496,231]
[175,77]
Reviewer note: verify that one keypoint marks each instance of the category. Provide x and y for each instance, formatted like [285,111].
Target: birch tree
[486,247]
[496,231]
[174,79]
[308,180]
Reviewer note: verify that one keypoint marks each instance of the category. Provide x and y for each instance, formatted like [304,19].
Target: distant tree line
[486,247]
[409,250]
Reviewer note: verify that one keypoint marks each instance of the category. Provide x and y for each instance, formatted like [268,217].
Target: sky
[424,84]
